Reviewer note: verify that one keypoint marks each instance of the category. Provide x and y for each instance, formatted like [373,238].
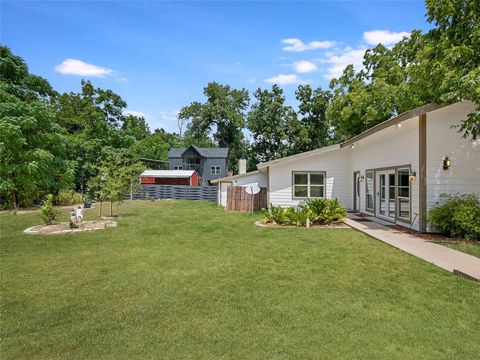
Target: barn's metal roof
[205,152]
[168,173]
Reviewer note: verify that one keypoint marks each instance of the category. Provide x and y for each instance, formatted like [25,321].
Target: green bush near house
[318,211]
[457,216]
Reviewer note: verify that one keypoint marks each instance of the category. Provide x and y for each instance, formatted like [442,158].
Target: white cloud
[285,79]
[385,37]
[169,115]
[304,66]
[78,67]
[238,63]
[135,113]
[339,60]
[298,45]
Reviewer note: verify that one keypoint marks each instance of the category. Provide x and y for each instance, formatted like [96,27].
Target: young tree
[117,175]
[31,145]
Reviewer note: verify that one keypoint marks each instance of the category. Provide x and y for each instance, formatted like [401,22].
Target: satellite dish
[252,190]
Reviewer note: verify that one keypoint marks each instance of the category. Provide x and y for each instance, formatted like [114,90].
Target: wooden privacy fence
[239,200]
[153,191]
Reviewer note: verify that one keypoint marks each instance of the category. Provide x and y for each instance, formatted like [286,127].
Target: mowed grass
[187,280]
[472,248]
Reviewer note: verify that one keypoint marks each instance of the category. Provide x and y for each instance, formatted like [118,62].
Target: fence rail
[183,192]
[239,200]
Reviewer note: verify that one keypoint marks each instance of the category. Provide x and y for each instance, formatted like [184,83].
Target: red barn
[170,177]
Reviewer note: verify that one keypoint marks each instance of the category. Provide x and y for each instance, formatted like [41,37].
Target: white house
[395,171]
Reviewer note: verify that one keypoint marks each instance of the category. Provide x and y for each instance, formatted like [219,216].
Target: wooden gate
[239,200]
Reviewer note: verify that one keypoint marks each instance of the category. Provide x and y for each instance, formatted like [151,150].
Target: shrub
[298,216]
[326,211]
[457,216]
[319,211]
[68,197]
[275,214]
[48,212]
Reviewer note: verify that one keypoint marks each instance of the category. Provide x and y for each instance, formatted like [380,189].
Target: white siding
[333,163]
[443,140]
[390,147]
[247,179]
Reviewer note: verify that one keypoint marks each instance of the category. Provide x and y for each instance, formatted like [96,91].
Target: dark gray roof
[205,152]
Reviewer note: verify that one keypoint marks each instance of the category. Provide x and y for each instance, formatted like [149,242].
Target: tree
[156,145]
[136,127]
[274,126]
[31,145]
[92,121]
[117,175]
[223,114]
[312,109]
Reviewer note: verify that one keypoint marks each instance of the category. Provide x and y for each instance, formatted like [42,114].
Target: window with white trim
[403,194]
[177,167]
[369,183]
[308,184]
[215,170]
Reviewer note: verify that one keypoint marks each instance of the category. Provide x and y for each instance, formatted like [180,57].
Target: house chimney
[242,166]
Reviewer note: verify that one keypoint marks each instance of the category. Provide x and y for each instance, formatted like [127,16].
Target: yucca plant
[326,211]
[275,214]
[298,216]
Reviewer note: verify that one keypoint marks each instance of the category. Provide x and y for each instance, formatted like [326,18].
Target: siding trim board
[422,172]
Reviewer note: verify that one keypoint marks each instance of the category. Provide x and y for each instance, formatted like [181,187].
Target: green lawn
[187,280]
[472,248]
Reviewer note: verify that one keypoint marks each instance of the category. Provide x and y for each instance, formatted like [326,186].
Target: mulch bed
[64,228]
[328,226]
[437,238]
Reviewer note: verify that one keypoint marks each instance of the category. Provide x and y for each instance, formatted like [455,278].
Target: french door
[385,195]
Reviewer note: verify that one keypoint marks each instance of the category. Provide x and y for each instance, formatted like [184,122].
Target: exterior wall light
[362,177]
[412,176]
[397,126]
[447,163]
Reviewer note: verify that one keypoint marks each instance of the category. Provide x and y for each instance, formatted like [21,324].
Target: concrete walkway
[442,256]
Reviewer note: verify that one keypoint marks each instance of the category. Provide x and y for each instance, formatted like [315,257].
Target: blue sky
[159,55]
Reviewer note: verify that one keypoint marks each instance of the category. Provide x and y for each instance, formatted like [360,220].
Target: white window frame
[372,191]
[177,167]
[399,198]
[215,169]
[308,173]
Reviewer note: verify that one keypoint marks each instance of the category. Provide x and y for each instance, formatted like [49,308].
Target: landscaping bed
[64,227]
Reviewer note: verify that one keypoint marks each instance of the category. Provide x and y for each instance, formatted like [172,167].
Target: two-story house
[210,163]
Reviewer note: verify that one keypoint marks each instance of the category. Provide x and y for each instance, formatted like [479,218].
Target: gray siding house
[210,163]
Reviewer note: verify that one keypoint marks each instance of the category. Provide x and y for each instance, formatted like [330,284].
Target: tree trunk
[101,202]
[14,202]
[111,208]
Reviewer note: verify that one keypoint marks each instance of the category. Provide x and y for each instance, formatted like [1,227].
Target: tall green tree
[222,115]
[92,121]
[274,126]
[31,144]
[312,109]
[135,126]
[156,146]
